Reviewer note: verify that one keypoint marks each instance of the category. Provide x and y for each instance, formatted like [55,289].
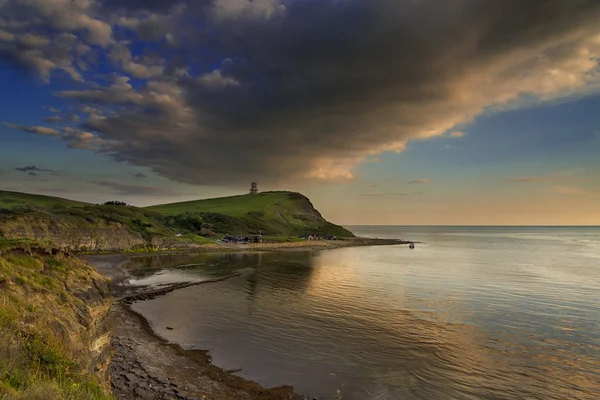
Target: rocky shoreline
[146,366]
[217,247]
[315,245]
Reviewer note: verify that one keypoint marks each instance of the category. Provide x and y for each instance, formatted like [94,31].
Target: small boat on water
[411,246]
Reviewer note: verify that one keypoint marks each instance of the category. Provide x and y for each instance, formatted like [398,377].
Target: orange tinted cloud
[568,190]
[528,179]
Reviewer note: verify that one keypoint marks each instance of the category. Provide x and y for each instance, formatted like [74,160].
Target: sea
[470,313]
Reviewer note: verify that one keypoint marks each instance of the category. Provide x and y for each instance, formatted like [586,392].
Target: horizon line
[474,226]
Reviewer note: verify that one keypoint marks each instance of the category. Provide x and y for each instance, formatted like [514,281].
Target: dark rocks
[99,291]
[147,368]
[59,330]
[130,380]
[143,393]
[169,328]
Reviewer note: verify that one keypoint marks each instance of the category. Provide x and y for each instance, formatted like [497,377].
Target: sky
[400,112]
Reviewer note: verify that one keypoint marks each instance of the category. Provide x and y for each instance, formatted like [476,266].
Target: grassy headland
[234,206]
[53,325]
[83,227]
[270,213]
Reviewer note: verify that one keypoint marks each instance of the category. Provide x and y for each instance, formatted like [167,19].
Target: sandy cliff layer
[99,236]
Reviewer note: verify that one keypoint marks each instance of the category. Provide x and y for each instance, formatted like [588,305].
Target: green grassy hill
[234,206]
[270,213]
[77,226]
[16,199]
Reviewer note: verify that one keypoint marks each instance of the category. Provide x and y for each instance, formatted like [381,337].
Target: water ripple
[477,313]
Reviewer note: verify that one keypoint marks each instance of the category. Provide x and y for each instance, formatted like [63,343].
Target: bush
[116,203]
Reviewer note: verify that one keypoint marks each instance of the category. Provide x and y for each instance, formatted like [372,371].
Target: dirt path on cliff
[146,367]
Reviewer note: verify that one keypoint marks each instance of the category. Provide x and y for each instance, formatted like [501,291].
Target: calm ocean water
[471,313]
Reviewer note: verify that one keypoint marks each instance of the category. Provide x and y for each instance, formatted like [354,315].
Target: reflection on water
[463,316]
[156,270]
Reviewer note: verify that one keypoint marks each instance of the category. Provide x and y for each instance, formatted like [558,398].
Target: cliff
[95,228]
[55,327]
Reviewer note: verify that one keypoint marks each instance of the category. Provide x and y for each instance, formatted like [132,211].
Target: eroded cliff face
[105,236]
[109,238]
[55,324]
[79,235]
[91,323]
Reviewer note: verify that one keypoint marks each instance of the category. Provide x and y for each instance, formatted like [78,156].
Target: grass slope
[46,318]
[16,199]
[234,206]
[270,213]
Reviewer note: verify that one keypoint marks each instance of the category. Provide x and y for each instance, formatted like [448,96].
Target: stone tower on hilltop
[254,188]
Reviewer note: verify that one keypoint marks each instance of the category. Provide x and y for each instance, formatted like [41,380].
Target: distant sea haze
[470,313]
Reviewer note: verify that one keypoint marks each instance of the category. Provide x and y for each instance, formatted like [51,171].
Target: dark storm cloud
[310,92]
[144,5]
[140,175]
[32,169]
[126,189]
[307,89]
